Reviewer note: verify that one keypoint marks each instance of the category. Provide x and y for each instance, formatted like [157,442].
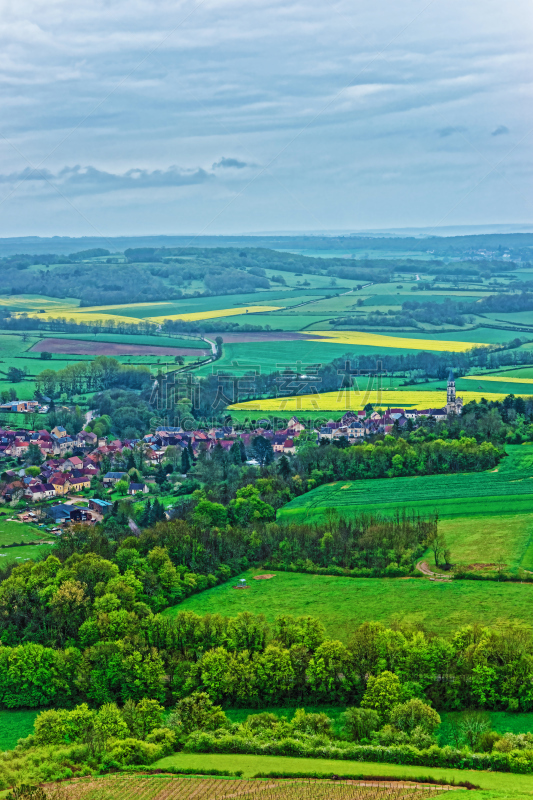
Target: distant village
[67,464]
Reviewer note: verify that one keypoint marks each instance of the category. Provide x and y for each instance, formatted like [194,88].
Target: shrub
[197,712]
[134,751]
[414,714]
[319,724]
[163,738]
[359,723]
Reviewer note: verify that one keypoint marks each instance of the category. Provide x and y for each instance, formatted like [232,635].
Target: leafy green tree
[328,671]
[34,455]
[32,471]
[197,712]
[312,724]
[210,514]
[262,450]
[382,693]
[121,487]
[414,714]
[185,462]
[359,723]
[284,468]
[143,717]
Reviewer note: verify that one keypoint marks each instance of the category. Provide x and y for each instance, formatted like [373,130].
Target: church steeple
[454,404]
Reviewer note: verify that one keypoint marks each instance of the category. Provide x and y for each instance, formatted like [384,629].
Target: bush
[359,723]
[414,714]
[197,712]
[134,751]
[163,738]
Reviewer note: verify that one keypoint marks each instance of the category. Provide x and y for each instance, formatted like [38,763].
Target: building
[110,478]
[454,404]
[101,506]
[133,488]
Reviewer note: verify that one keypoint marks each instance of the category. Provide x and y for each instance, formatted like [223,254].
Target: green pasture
[274,355]
[15,725]
[488,387]
[15,531]
[495,785]
[420,297]
[342,604]
[516,318]
[492,539]
[511,372]
[281,321]
[506,490]
[25,553]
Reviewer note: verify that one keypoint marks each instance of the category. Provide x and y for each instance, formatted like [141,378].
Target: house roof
[137,487]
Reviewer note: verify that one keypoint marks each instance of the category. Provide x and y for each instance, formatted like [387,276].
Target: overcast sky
[229,116]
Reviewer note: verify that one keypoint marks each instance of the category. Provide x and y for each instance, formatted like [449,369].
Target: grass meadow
[345,603]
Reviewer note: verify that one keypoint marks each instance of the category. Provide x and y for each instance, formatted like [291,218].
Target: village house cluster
[68,464]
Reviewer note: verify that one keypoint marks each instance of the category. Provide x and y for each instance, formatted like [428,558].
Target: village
[52,479]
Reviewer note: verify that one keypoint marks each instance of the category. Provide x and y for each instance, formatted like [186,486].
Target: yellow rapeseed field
[381,340]
[497,378]
[352,400]
[222,312]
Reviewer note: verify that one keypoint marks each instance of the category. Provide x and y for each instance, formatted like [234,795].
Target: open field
[342,604]
[352,400]
[77,347]
[506,490]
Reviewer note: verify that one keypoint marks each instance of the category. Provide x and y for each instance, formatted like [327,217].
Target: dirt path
[423,567]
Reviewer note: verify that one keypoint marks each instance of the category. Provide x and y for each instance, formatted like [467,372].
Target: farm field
[79,347]
[342,604]
[172,787]
[135,339]
[495,785]
[351,400]
[456,341]
[196,316]
[506,490]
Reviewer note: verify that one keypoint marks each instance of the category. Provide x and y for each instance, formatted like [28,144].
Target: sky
[124,117]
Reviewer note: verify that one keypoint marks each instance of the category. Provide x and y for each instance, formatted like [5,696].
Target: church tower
[454,404]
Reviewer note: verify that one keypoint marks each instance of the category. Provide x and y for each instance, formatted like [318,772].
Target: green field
[344,603]
[14,532]
[495,785]
[506,490]
[15,725]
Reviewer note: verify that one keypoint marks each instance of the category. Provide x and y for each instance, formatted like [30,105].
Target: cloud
[500,130]
[229,163]
[90,180]
[450,130]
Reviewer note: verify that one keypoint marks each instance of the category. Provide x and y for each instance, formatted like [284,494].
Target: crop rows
[514,477]
[164,787]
